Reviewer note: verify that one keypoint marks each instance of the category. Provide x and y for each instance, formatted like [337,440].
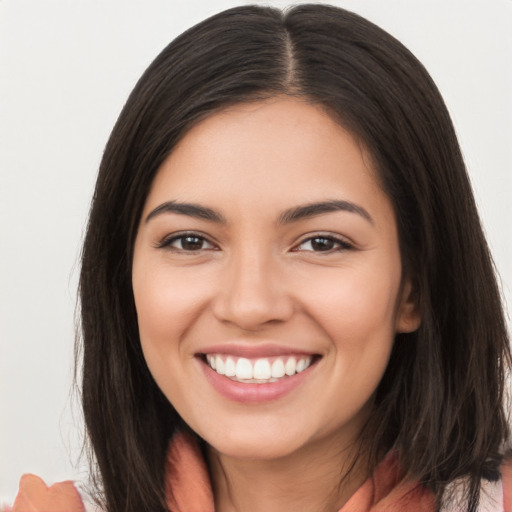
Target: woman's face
[268,250]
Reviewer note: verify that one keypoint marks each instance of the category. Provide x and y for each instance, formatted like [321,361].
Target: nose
[252,292]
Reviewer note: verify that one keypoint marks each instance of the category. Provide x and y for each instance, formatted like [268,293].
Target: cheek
[356,310]
[356,302]
[166,303]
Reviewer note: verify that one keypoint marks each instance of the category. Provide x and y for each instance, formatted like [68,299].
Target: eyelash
[166,242]
[343,245]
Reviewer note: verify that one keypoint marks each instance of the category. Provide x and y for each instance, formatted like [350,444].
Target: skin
[253,281]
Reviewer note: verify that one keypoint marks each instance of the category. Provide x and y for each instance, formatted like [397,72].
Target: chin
[256,443]
[255,449]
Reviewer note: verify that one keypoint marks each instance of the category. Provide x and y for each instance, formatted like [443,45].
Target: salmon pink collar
[187,482]
[188,485]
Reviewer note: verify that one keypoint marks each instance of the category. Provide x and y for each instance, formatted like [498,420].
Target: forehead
[274,152]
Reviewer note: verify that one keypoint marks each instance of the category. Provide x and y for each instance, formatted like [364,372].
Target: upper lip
[252,350]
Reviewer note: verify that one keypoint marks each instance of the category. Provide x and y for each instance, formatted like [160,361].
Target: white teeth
[230,368]
[219,365]
[259,370]
[262,370]
[306,363]
[290,366]
[243,369]
[278,369]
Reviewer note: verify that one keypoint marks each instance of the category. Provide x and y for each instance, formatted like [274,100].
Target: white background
[66,68]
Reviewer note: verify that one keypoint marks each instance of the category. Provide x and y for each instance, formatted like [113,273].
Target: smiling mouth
[262,370]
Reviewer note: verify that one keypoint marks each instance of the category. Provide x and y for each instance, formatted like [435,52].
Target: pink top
[188,488]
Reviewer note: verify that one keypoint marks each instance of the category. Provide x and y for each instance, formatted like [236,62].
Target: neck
[319,478]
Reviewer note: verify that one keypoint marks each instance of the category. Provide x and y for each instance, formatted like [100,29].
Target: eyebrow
[313,209]
[286,217]
[190,209]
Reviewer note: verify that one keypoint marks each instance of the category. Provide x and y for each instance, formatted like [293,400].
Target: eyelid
[343,243]
[166,241]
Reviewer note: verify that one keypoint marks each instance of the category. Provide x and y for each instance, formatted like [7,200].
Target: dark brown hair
[440,402]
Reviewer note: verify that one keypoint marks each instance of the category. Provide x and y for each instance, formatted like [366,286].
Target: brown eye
[186,243]
[191,243]
[323,244]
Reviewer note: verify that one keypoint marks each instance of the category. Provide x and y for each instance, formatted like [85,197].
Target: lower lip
[251,392]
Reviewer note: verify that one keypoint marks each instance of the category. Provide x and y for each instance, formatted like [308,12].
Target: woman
[287,298]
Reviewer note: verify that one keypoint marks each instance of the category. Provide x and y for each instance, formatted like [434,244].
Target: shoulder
[35,496]
[494,496]
[497,496]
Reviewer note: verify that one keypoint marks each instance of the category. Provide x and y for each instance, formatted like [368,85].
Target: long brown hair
[440,402]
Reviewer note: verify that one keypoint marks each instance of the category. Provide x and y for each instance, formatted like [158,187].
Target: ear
[408,318]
